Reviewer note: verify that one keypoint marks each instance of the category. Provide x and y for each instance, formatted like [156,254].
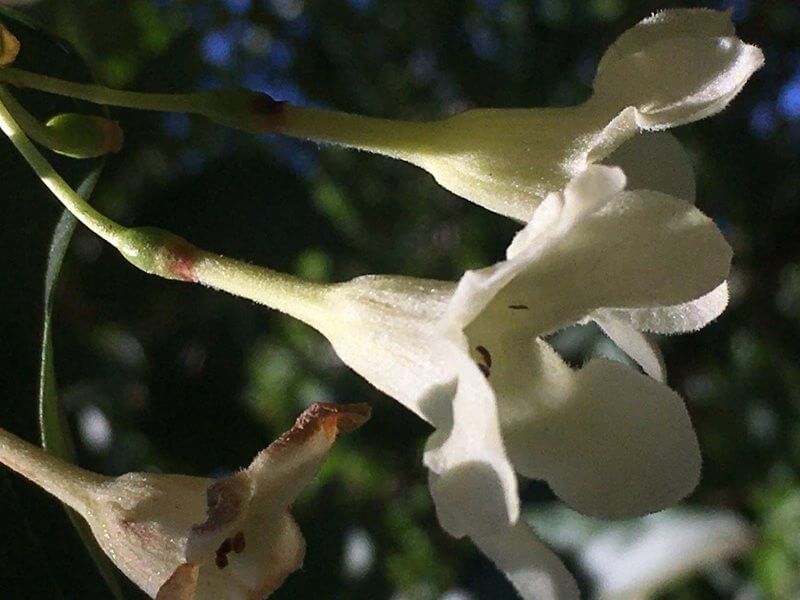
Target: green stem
[99,94]
[240,109]
[74,486]
[164,254]
[37,130]
[98,223]
[236,108]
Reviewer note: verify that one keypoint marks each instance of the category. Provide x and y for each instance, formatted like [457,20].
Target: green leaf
[51,421]
[52,424]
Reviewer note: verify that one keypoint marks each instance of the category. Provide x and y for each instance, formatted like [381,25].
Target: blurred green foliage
[161,375]
[776,561]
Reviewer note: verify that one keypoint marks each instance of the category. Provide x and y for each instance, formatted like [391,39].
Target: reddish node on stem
[182,259]
[267,111]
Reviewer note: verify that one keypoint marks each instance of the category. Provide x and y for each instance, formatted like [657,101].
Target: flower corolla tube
[192,538]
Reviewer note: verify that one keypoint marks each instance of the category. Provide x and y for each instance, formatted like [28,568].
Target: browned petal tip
[9,46]
[351,416]
[332,418]
[335,418]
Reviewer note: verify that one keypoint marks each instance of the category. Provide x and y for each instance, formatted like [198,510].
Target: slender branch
[299,298]
[251,111]
[37,130]
[98,223]
[74,486]
[99,94]
[162,253]
[238,108]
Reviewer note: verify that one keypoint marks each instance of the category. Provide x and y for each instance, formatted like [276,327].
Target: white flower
[469,357]
[609,441]
[657,161]
[191,538]
[672,68]
[644,559]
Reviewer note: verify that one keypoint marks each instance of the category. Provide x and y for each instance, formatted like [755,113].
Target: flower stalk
[82,210]
[236,108]
[167,255]
[69,483]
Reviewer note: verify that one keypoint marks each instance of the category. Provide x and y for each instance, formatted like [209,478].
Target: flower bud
[84,136]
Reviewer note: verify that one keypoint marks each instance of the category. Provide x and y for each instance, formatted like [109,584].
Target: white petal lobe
[676,67]
[616,443]
[534,570]
[681,318]
[472,481]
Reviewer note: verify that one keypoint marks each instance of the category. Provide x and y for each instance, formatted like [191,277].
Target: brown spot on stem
[485,370]
[517,307]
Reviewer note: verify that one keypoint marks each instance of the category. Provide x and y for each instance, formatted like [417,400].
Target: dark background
[159,375]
